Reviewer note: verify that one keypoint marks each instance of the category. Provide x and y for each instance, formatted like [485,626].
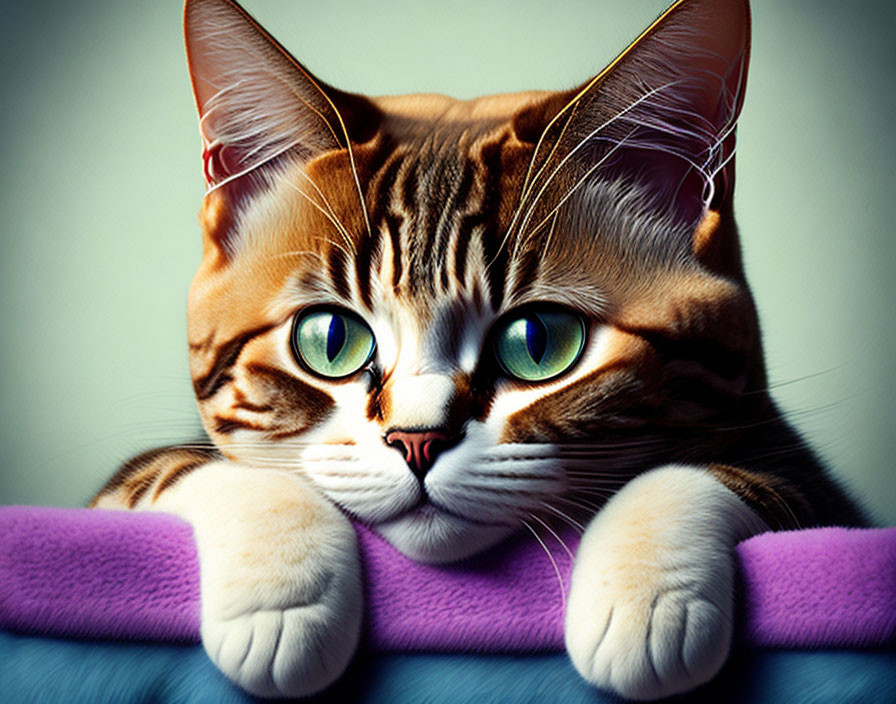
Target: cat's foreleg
[280,575]
[650,608]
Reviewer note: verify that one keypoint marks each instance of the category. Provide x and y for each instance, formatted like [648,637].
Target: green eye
[540,344]
[332,343]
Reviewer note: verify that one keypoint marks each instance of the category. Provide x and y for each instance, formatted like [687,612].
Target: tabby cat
[451,320]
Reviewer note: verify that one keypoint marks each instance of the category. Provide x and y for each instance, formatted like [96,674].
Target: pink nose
[420,448]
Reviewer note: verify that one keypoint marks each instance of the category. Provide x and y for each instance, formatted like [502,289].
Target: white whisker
[565,516]
[554,533]
[569,155]
[553,563]
[336,224]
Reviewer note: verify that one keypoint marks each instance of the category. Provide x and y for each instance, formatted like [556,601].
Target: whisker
[324,199]
[338,225]
[524,238]
[612,476]
[575,149]
[299,253]
[575,487]
[781,501]
[553,563]
[553,533]
[589,506]
[565,516]
[527,186]
[529,181]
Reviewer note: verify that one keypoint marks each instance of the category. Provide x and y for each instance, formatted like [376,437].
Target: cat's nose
[420,447]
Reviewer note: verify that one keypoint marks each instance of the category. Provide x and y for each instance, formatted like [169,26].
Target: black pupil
[335,337]
[536,338]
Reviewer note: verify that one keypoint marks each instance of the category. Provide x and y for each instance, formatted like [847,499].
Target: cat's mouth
[426,508]
[430,532]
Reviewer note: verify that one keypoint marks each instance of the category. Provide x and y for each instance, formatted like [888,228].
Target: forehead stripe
[336,265]
[393,222]
[456,204]
[383,166]
[495,254]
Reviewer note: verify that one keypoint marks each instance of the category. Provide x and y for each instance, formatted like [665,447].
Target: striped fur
[433,220]
[681,371]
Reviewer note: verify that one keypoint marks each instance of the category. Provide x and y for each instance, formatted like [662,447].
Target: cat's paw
[649,613]
[651,641]
[287,652]
[280,579]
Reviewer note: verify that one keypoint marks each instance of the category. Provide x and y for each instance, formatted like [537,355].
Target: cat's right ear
[662,115]
[256,103]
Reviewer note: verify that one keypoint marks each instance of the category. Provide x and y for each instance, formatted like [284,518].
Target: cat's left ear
[257,103]
[662,115]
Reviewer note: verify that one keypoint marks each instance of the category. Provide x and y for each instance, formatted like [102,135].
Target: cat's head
[457,318]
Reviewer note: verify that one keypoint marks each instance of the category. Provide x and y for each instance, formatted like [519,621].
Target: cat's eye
[540,344]
[332,343]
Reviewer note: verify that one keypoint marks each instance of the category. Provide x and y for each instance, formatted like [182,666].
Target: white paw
[650,606]
[280,578]
[651,643]
[290,652]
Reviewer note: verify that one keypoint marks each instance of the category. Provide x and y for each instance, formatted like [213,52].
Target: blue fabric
[48,670]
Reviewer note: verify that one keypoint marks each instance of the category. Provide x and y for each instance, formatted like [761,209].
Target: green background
[101,182]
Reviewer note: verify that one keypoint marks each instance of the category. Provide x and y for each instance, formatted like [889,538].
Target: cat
[451,320]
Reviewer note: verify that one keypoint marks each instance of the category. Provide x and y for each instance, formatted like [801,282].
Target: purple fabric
[822,587]
[98,574]
[108,574]
[508,599]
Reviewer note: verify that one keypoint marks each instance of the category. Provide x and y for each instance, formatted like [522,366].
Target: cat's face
[459,318]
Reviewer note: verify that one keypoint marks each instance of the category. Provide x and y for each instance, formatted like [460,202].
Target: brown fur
[421,204]
[160,468]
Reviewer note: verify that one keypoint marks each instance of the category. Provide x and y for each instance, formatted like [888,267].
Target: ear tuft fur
[662,114]
[256,103]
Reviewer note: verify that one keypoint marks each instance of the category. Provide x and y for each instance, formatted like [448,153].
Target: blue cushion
[40,669]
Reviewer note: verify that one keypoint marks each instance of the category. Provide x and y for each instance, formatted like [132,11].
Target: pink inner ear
[218,162]
[211,163]
[255,102]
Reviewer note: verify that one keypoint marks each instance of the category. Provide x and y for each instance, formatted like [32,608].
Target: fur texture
[591,228]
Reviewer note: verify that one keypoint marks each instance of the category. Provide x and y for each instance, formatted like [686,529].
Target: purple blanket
[110,574]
